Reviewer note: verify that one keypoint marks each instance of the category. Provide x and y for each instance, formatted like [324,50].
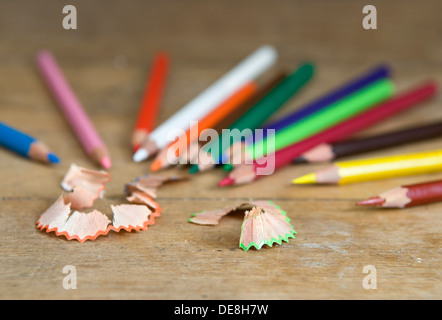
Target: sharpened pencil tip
[194,169]
[52,158]
[140,155]
[226,182]
[136,147]
[307,179]
[156,165]
[375,201]
[106,163]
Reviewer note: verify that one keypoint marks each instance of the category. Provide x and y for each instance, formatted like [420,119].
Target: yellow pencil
[376,169]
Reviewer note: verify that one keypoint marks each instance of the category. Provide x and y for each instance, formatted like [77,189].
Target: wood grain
[106,61]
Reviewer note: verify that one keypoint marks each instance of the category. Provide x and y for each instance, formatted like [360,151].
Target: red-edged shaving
[150,183]
[84,185]
[131,217]
[76,226]
[138,197]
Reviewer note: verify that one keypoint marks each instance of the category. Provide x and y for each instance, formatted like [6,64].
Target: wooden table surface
[106,61]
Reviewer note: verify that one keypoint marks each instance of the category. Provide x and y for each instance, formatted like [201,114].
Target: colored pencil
[72,109]
[327,99]
[238,112]
[25,145]
[407,196]
[190,155]
[151,100]
[331,151]
[366,79]
[376,168]
[337,112]
[249,69]
[255,117]
[247,105]
[248,173]
[210,120]
[223,123]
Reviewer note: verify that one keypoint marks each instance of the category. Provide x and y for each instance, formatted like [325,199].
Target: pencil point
[140,155]
[106,162]
[52,158]
[299,160]
[156,165]
[136,147]
[193,169]
[375,201]
[227,167]
[226,182]
[307,179]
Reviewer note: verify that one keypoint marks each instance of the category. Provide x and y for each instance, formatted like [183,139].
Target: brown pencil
[407,196]
[330,151]
[238,112]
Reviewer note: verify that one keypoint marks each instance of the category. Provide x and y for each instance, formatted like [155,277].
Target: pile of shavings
[83,187]
[264,223]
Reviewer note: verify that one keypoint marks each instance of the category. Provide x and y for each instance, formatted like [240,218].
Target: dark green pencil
[254,118]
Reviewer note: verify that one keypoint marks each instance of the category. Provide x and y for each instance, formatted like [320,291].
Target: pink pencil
[72,109]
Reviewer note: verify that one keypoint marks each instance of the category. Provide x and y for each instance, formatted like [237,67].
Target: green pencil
[256,116]
[323,119]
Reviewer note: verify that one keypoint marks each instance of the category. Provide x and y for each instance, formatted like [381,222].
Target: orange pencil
[214,117]
[151,100]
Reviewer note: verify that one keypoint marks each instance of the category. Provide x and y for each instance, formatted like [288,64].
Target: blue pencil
[25,145]
[371,76]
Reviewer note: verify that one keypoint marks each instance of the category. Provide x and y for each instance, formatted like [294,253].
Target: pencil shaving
[210,217]
[141,193]
[88,226]
[150,183]
[84,185]
[131,217]
[265,226]
[139,197]
[264,223]
[144,190]
[76,226]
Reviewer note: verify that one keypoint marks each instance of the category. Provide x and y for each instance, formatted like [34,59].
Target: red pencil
[248,173]
[407,196]
[151,100]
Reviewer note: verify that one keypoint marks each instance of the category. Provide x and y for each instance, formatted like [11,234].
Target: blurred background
[108,56]
[107,60]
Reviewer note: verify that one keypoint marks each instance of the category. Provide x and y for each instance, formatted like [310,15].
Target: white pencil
[249,69]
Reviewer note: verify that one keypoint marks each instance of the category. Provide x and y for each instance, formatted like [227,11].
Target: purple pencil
[371,76]
[323,102]
[72,109]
